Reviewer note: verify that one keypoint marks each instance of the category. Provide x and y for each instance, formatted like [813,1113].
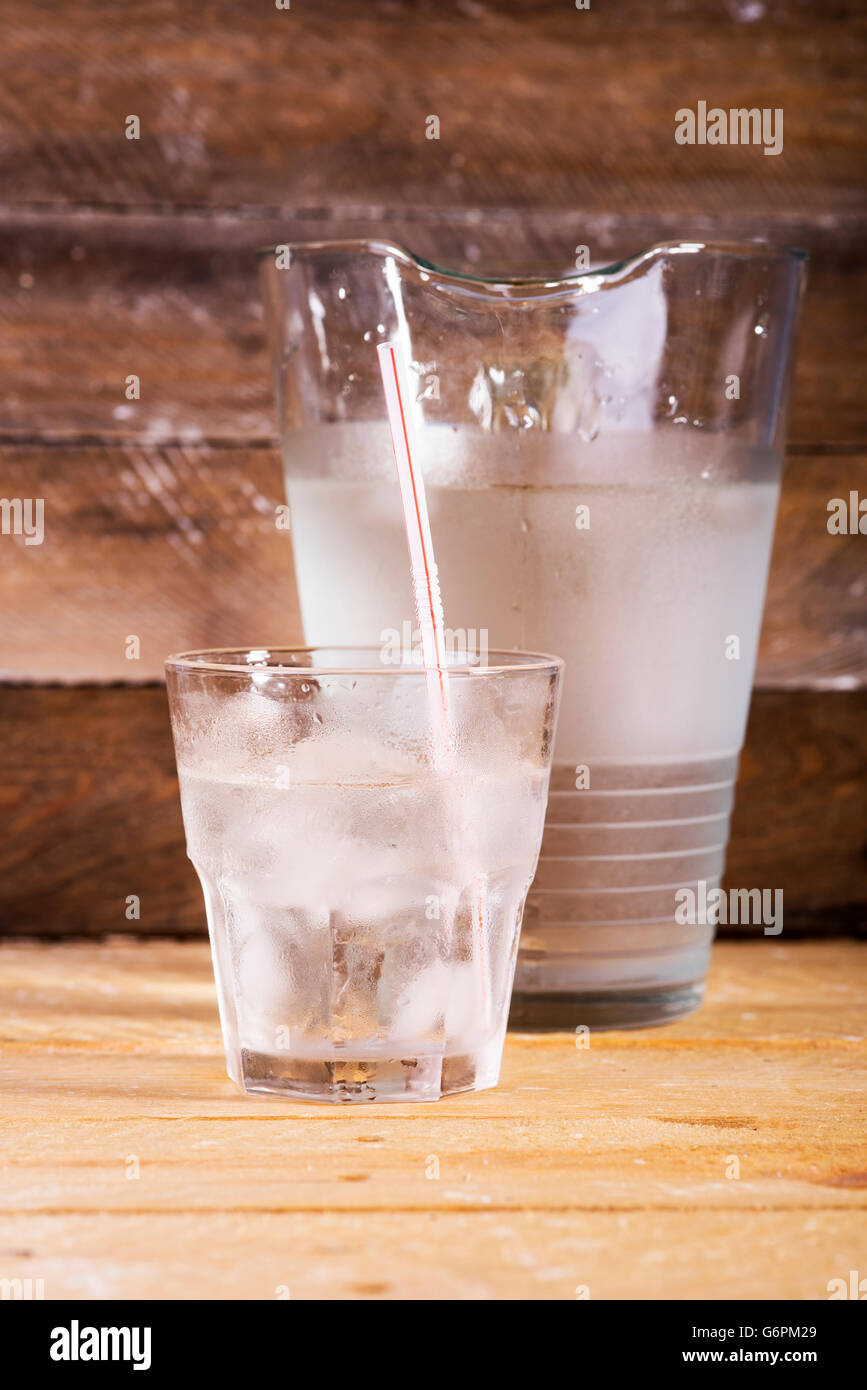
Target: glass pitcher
[602,455]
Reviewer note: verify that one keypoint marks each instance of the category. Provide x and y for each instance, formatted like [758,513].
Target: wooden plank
[814,630]
[435,1255]
[92,812]
[603,1167]
[178,545]
[312,1167]
[129,996]
[802,780]
[539,104]
[90,298]
[556,1107]
[101,821]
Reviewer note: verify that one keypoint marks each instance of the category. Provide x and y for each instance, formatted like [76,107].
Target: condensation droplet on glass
[368,337]
[343,292]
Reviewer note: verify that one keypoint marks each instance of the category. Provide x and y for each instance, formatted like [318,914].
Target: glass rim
[365,245]
[202,661]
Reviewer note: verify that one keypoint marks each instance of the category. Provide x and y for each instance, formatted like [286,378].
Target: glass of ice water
[364,884]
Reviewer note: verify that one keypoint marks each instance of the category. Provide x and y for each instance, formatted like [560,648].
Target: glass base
[645,1008]
[355,1080]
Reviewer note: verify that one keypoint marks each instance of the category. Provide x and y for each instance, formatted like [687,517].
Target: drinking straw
[425,578]
[426,590]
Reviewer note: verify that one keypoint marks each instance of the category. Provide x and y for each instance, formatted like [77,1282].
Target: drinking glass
[363,883]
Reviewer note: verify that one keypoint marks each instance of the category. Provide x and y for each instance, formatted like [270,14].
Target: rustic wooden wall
[136,256]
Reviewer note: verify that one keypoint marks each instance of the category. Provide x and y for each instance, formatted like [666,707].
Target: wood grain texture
[177,544]
[157,997]
[603,1166]
[539,104]
[92,812]
[87,298]
[800,818]
[435,1255]
[814,630]
[120,257]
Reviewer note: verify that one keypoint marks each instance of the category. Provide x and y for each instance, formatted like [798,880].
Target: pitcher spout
[687,334]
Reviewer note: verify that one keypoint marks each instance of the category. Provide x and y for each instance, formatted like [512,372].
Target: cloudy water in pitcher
[640,560]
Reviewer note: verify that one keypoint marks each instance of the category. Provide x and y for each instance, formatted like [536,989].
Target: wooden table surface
[132,1167]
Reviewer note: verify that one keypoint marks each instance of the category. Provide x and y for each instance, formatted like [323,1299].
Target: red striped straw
[426,592]
[425,579]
